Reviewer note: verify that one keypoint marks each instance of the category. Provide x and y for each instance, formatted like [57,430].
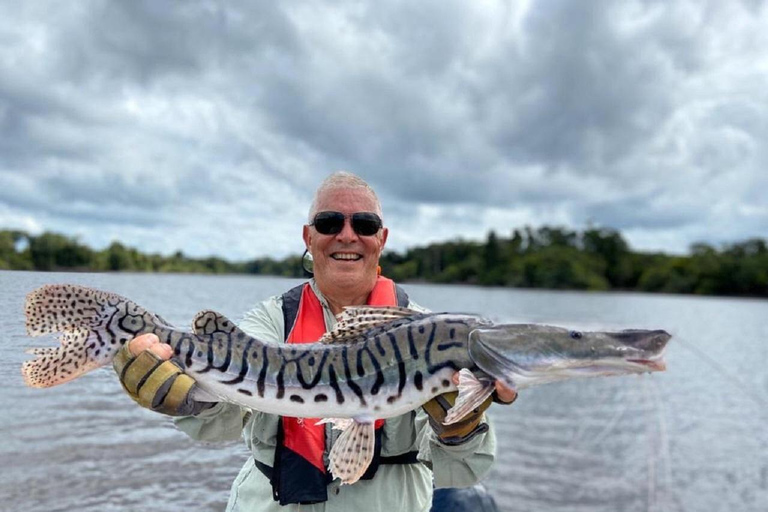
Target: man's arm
[459,455]
[226,421]
[157,383]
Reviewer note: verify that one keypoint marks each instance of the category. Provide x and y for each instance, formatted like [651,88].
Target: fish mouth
[654,365]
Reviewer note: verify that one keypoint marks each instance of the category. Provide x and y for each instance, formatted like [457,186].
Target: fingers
[505,393]
[455,378]
[152,343]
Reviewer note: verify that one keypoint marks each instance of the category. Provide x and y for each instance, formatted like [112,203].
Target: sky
[206,127]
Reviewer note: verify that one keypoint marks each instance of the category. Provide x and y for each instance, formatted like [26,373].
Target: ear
[306,234]
[384,235]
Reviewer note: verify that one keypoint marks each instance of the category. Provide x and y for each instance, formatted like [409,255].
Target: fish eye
[576,335]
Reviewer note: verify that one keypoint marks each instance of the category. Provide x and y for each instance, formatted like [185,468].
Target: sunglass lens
[329,223]
[366,224]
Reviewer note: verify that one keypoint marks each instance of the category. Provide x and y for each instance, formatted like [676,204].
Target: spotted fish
[378,362]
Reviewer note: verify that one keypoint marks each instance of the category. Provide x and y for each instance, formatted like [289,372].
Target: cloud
[205,127]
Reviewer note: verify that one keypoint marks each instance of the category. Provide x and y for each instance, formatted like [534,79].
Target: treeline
[548,257]
[52,251]
[594,259]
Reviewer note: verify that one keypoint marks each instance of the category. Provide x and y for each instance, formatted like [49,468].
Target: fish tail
[93,326]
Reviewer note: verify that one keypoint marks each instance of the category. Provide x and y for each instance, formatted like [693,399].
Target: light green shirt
[395,488]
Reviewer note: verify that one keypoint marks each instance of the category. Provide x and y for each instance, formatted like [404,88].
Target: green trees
[548,257]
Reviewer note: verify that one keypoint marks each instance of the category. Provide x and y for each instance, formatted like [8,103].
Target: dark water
[692,439]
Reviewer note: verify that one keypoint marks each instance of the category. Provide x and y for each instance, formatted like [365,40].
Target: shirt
[396,487]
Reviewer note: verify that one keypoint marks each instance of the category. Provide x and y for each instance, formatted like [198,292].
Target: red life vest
[302,435]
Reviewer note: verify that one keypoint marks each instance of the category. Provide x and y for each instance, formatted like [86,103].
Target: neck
[338,299]
[337,303]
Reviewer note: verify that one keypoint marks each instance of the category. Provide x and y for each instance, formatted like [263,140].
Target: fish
[376,363]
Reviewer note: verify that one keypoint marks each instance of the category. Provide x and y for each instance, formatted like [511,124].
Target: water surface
[690,439]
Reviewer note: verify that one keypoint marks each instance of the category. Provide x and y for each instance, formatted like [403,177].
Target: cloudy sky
[206,126]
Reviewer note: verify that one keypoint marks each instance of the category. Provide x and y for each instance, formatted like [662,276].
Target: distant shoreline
[548,258]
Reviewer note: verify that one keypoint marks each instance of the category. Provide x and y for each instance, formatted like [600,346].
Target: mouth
[346,256]
[654,365]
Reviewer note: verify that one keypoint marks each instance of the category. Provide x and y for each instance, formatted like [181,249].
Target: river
[690,439]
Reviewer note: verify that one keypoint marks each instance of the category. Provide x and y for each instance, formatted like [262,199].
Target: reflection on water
[690,439]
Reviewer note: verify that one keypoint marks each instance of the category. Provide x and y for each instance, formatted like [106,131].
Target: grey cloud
[200,114]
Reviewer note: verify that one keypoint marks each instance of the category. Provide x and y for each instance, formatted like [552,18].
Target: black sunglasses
[331,223]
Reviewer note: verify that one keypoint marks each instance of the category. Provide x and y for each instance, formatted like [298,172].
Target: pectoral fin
[472,393]
[353,451]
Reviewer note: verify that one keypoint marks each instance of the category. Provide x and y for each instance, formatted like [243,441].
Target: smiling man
[345,262]
[288,466]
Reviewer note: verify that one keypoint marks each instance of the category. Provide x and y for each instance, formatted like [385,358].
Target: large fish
[378,362]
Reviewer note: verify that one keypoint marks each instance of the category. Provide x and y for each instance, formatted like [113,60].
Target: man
[287,469]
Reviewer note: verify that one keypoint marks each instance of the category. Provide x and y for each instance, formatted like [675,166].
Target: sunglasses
[331,223]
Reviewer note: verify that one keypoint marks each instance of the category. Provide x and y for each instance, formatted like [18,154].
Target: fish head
[527,354]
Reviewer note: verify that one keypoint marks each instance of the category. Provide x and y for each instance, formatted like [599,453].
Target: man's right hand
[153,381]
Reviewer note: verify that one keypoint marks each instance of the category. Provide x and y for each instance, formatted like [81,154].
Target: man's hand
[469,426]
[153,381]
[504,394]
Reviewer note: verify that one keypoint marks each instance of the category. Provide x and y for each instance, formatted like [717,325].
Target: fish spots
[321,397]
[297,399]
[245,392]
[446,383]
[418,380]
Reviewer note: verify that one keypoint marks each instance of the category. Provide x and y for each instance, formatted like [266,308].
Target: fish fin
[338,423]
[352,452]
[355,320]
[93,326]
[472,393]
[211,322]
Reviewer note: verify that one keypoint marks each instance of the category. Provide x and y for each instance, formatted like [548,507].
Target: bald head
[342,180]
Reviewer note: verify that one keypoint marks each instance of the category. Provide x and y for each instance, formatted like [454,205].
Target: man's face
[345,263]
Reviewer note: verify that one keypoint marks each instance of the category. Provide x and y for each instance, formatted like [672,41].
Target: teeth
[345,256]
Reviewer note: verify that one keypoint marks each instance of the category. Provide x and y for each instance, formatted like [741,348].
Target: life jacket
[299,474]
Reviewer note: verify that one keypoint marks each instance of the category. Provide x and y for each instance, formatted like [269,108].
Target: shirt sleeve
[460,465]
[225,421]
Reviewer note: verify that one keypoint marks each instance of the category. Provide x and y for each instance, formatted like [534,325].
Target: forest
[547,257]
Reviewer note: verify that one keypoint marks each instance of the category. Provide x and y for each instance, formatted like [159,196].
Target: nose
[347,234]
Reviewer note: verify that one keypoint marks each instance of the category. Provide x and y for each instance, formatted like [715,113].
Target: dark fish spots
[245,392]
[297,399]
[321,397]
[418,380]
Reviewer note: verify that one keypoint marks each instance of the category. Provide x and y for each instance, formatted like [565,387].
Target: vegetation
[549,257]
